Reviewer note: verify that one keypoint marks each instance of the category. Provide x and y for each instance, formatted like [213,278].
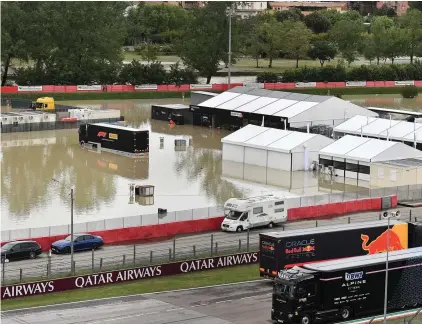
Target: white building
[273,148]
[250,8]
[353,156]
[389,129]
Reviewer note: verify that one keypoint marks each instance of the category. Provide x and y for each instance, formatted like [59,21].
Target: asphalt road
[119,254]
[246,303]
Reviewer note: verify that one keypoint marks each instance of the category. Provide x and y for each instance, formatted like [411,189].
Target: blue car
[80,242]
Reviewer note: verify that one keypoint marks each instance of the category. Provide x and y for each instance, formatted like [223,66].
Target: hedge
[399,72]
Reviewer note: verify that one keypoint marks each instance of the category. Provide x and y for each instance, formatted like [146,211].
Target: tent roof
[368,149]
[276,103]
[270,138]
[382,128]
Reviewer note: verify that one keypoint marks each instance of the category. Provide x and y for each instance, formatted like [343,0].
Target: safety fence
[412,192]
[210,87]
[179,248]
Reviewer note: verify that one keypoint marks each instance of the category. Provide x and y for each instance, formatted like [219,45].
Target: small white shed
[273,148]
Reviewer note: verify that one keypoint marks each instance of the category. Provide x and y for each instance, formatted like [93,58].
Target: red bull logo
[379,245]
[102,134]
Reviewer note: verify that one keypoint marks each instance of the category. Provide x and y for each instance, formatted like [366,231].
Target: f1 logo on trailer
[102,134]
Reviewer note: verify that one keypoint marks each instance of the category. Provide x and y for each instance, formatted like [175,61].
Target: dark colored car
[80,242]
[20,250]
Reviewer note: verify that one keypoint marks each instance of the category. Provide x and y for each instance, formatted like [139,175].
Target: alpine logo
[353,276]
[102,134]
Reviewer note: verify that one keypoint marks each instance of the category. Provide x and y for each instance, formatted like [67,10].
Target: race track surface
[246,303]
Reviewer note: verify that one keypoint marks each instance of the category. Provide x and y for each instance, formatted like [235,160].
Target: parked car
[80,242]
[20,250]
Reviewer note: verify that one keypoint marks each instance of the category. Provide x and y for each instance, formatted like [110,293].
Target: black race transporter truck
[114,139]
[347,288]
[286,249]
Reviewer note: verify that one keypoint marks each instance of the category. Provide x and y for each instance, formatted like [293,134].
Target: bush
[409,91]
[267,77]
[398,72]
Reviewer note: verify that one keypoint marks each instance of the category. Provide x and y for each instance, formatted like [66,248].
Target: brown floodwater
[194,177]
[183,179]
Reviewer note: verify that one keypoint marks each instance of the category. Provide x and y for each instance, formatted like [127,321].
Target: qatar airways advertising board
[119,276]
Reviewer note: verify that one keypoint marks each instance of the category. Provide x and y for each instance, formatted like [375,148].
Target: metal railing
[178,249]
[404,193]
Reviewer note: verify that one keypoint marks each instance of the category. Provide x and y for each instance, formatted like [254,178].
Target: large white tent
[396,130]
[351,156]
[298,109]
[273,148]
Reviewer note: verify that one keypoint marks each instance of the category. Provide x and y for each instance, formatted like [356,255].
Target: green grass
[199,279]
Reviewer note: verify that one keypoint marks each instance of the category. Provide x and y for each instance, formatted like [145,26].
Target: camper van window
[244,217]
[258,210]
[279,210]
[277,203]
[234,215]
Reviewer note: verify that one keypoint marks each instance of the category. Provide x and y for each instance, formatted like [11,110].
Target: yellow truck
[44,104]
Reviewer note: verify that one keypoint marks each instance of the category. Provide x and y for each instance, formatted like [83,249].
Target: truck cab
[294,296]
[45,104]
[246,213]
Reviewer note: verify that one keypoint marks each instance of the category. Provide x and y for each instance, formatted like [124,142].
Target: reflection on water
[386,101]
[184,177]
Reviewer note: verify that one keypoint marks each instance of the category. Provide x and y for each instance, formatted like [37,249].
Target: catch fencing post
[92,260]
[134,254]
[410,215]
[3,270]
[20,275]
[247,241]
[74,267]
[124,260]
[174,249]
[169,254]
[216,248]
[212,244]
[194,251]
[150,257]
[47,270]
[101,264]
[240,245]
[316,223]
[348,220]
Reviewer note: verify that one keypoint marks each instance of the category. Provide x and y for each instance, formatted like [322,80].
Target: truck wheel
[346,313]
[306,319]
[239,229]
[270,225]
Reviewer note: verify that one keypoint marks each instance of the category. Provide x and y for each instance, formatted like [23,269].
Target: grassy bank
[199,279]
[168,95]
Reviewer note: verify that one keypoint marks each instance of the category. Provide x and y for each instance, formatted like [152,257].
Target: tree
[205,38]
[385,10]
[412,23]
[396,45]
[318,22]
[322,50]
[294,14]
[270,35]
[347,35]
[297,39]
[14,34]
[332,15]
[368,49]
[148,52]
[379,28]
[415,5]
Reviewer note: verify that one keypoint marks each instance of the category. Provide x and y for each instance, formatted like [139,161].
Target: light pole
[230,46]
[72,198]
[388,216]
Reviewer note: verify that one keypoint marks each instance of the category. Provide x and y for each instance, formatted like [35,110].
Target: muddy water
[183,179]
[387,101]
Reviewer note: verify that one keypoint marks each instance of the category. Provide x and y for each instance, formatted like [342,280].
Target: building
[353,156]
[277,109]
[250,8]
[396,173]
[271,148]
[308,7]
[400,7]
[386,129]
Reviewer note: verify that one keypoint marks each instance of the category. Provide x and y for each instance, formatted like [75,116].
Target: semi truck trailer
[286,249]
[348,288]
[115,139]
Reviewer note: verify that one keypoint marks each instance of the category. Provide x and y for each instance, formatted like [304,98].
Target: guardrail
[410,192]
[209,87]
[177,249]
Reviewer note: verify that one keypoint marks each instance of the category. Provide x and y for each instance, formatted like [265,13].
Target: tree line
[81,42]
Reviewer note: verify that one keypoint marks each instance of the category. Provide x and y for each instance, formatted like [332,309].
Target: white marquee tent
[273,148]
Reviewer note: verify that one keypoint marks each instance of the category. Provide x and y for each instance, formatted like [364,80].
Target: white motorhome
[245,213]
